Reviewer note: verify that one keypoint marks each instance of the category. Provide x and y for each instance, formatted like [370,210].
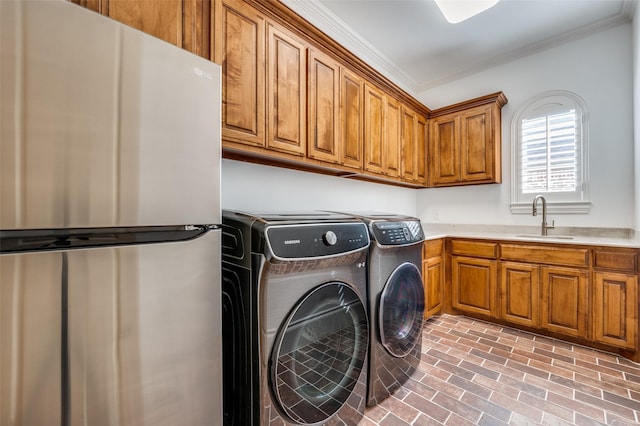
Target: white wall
[597,67]
[636,111]
[252,187]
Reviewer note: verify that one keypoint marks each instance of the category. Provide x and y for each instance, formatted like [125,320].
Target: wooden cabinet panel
[578,257]
[413,147]
[421,150]
[352,119]
[476,152]
[240,48]
[615,309]
[433,277]
[324,108]
[432,248]
[564,301]
[474,248]
[616,259]
[286,92]
[474,285]
[444,151]
[519,293]
[408,144]
[373,129]
[392,135]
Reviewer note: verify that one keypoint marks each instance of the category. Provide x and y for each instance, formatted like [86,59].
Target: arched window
[550,154]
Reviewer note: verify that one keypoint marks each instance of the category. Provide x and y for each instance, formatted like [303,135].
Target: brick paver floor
[477,373]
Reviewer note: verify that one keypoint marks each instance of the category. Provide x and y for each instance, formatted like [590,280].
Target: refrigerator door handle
[18,241]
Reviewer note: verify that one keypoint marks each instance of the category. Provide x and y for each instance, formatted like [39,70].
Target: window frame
[576,202]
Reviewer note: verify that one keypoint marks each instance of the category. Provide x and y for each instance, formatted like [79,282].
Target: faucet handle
[552,226]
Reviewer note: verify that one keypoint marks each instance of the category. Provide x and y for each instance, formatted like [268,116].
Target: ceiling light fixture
[459,10]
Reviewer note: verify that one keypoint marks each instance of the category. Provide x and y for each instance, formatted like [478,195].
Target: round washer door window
[319,353]
[401,310]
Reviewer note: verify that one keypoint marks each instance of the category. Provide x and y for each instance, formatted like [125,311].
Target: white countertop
[613,237]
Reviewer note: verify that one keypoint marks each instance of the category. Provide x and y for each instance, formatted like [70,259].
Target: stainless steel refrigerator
[109,224]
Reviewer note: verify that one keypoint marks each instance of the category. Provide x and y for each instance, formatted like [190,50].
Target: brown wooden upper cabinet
[324,107]
[413,147]
[263,80]
[374,116]
[184,23]
[286,92]
[240,48]
[335,102]
[291,96]
[394,138]
[391,140]
[351,119]
[465,142]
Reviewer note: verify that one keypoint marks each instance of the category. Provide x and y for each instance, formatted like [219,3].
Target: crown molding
[320,16]
[613,21]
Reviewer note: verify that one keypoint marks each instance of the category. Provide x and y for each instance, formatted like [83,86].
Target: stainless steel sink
[546,237]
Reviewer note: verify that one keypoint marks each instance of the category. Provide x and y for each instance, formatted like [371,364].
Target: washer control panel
[397,232]
[316,240]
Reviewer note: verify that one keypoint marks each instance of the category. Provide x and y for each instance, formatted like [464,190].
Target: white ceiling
[411,43]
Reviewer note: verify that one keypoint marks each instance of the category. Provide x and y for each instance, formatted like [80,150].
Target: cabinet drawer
[616,260]
[432,248]
[474,248]
[545,254]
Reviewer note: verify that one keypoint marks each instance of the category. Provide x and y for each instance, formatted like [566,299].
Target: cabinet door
[324,107]
[240,48]
[519,293]
[373,129]
[392,135]
[421,150]
[408,147]
[615,309]
[286,92]
[433,276]
[351,119]
[477,160]
[444,150]
[474,285]
[564,301]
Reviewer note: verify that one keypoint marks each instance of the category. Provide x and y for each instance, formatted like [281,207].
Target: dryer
[295,319]
[396,301]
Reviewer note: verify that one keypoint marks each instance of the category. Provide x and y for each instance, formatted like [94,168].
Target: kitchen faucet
[544,214]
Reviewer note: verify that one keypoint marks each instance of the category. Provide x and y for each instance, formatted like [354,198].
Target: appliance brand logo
[290,242]
[202,74]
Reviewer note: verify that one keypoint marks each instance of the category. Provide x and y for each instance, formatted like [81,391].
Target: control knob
[330,238]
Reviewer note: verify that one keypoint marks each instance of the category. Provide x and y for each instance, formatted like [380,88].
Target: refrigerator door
[102,125]
[142,343]
[30,339]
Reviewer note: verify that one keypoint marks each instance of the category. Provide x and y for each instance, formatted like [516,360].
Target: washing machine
[396,301]
[295,318]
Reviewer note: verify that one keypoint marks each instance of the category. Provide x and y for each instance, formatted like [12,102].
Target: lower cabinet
[474,285]
[581,292]
[520,293]
[615,309]
[433,277]
[565,301]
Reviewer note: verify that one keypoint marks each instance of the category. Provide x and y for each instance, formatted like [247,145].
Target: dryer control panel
[397,233]
[316,240]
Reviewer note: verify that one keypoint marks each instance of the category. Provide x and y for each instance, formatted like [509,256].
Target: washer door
[319,353]
[401,310]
